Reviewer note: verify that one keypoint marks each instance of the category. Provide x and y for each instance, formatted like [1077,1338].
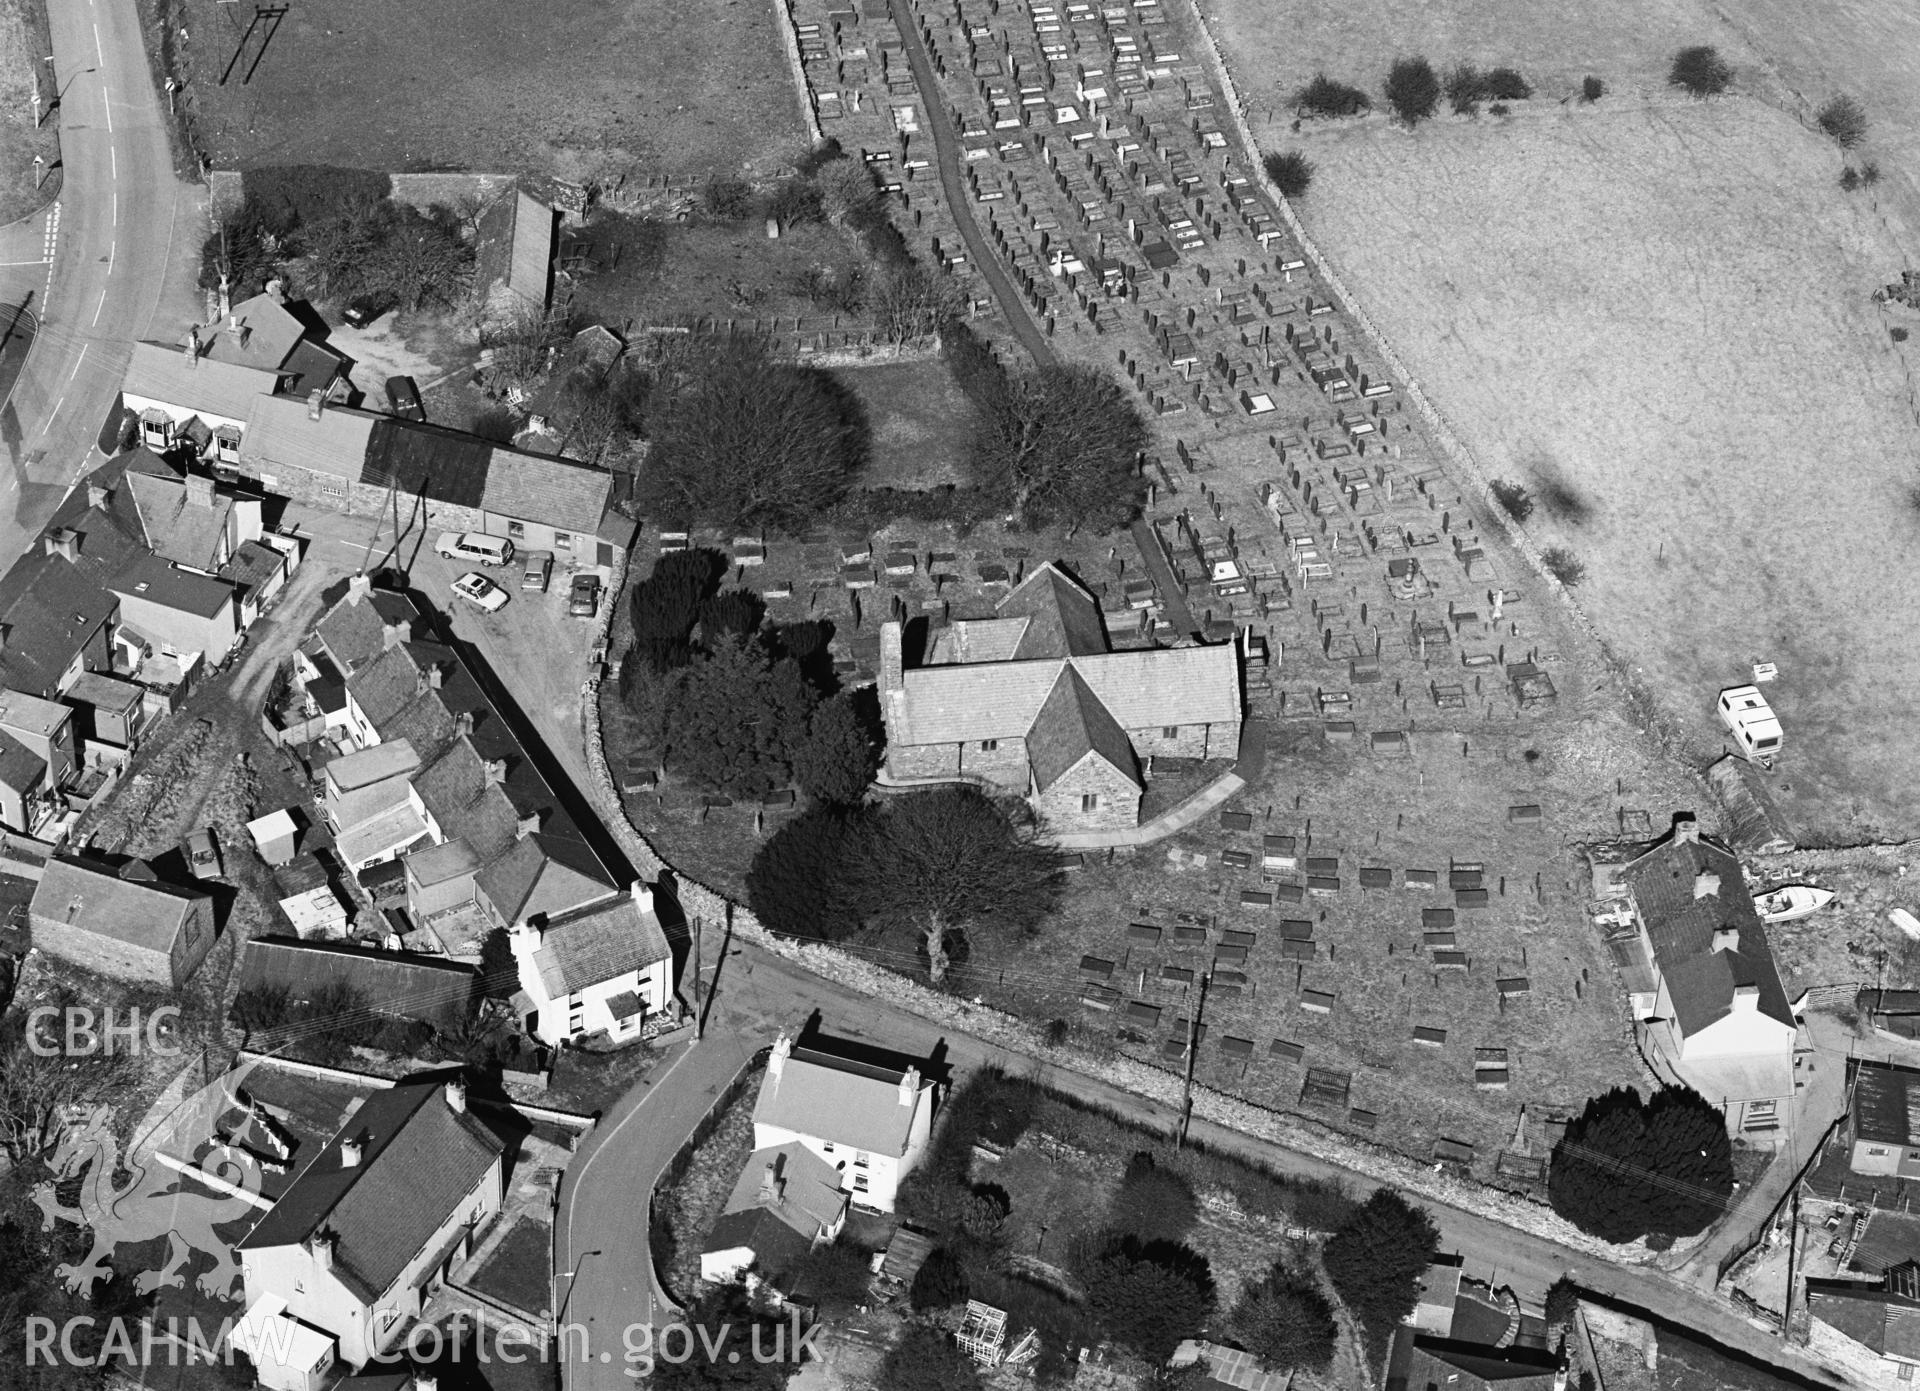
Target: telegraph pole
[1193,1041]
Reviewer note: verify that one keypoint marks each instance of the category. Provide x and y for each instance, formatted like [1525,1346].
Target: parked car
[584,599]
[403,398]
[481,592]
[539,569]
[362,310]
[475,546]
[202,855]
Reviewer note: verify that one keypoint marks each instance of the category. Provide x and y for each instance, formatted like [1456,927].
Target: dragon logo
[183,1202]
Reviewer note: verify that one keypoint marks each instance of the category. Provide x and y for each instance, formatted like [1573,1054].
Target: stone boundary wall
[790,45]
[225,191]
[1465,464]
[714,910]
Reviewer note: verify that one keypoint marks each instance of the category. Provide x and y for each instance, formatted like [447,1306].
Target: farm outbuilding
[1754,824]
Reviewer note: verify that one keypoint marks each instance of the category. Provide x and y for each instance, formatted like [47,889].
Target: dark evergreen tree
[798,884]
[837,761]
[1375,1261]
[1286,1321]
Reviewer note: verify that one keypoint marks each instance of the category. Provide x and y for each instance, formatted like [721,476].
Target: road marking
[96,312]
[41,262]
[116,207]
[76,363]
[113,161]
[98,52]
[56,411]
[112,247]
[108,103]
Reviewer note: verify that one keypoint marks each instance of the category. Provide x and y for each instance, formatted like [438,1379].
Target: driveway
[125,235]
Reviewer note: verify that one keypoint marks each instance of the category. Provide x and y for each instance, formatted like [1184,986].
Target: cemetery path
[952,167]
[1171,594]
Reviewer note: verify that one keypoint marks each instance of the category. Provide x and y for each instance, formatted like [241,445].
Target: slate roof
[180,530]
[1146,689]
[252,566]
[280,434]
[1878,1315]
[261,334]
[777,1248]
[543,875]
[515,247]
[1681,927]
[403,985]
[1886,1103]
[978,640]
[153,579]
[420,1159]
[838,1100]
[428,460]
[1420,1360]
[93,896]
[302,874]
[311,366]
[157,372]
[552,491]
[49,605]
[1072,724]
[810,1197]
[597,943]
[20,767]
[379,835]
[354,633]
[1063,619]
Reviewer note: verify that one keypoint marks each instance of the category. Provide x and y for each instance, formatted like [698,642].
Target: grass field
[921,423]
[23,44]
[1696,386]
[569,87]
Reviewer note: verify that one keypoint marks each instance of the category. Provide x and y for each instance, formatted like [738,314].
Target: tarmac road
[121,220]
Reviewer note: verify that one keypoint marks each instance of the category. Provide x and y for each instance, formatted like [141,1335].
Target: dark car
[403,397]
[583,601]
[362,310]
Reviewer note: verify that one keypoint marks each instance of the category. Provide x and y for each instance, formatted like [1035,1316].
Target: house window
[1876,1149]
[563,540]
[861,1159]
[860,1183]
[516,531]
[1090,801]
[827,1147]
[989,745]
[1171,731]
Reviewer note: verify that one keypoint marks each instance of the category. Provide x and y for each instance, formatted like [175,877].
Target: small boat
[1790,902]
[1906,922]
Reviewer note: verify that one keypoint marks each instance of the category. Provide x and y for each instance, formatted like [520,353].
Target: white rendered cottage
[600,968]
[870,1122]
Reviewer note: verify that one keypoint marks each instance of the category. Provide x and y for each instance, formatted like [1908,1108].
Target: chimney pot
[316,400]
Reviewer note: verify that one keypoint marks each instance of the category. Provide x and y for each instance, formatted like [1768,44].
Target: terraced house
[1035,702]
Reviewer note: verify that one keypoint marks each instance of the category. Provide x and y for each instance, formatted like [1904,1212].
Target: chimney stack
[1706,884]
[226,301]
[642,896]
[526,825]
[321,1245]
[435,676]
[909,1086]
[316,399]
[777,1060]
[358,588]
[771,1186]
[462,723]
[1686,830]
[394,633]
[199,491]
[277,290]
[1726,939]
[97,496]
[351,1152]
[457,1096]
[496,770]
[193,346]
[64,542]
[1746,998]
[425,1381]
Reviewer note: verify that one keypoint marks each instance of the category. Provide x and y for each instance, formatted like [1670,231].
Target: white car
[481,592]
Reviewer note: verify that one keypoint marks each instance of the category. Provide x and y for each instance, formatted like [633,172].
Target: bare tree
[39,1093]
[949,859]
[738,439]
[519,343]
[913,302]
[1063,446]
